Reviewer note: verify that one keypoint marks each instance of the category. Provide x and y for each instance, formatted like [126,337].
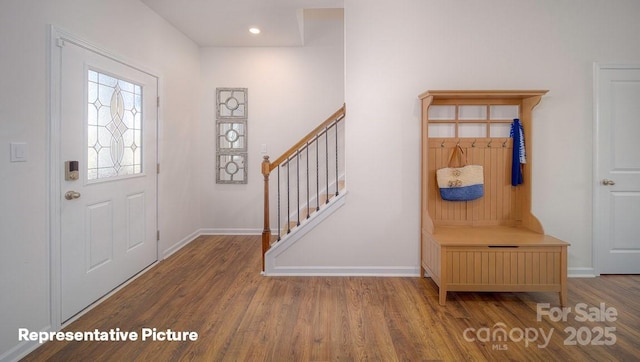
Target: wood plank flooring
[213,286]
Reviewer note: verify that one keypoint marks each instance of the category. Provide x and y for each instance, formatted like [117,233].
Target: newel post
[266,231]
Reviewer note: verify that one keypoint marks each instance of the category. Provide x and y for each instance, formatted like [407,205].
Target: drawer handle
[504,246]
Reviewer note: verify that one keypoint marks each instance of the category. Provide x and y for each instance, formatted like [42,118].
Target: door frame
[598,232]
[56,36]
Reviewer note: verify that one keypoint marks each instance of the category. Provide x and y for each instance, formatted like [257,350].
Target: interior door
[617,187]
[109,196]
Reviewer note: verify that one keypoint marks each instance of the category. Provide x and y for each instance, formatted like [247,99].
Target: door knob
[608,182]
[70,195]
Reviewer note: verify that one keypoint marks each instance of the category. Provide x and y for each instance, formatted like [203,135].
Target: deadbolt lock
[71,171]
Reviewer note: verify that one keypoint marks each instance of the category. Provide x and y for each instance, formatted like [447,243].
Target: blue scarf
[519,157]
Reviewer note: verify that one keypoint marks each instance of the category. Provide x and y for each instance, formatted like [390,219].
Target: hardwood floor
[213,287]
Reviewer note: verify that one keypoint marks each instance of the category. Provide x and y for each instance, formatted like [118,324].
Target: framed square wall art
[231,135]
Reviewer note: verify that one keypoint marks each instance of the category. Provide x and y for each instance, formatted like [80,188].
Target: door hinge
[158,235]
[60,42]
[158,168]
[158,101]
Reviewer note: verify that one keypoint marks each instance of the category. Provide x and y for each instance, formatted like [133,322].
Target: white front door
[617,186]
[108,214]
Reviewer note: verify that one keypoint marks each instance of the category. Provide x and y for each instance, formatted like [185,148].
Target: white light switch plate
[19,152]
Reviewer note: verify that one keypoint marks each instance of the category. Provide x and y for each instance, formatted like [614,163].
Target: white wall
[291,90]
[394,51]
[127,29]
[397,49]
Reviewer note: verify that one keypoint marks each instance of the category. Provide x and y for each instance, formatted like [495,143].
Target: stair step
[285,230]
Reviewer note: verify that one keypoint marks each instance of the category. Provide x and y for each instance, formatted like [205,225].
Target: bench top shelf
[492,236]
[482,94]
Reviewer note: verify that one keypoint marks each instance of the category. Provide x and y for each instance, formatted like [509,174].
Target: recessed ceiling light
[254,30]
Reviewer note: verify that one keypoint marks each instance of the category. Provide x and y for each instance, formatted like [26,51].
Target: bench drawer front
[502,265]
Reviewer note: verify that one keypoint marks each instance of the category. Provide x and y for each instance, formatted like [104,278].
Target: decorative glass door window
[231,135]
[114,127]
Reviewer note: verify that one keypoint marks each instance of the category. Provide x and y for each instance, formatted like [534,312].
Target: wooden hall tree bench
[493,243]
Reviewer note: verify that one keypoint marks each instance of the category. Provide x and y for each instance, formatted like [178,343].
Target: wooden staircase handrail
[339,114]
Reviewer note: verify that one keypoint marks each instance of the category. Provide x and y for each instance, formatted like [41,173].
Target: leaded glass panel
[114,127]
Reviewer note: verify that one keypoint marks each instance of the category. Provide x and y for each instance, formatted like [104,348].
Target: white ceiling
[227,22]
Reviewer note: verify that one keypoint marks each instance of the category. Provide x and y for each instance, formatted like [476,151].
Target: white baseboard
[22,349]
[180,244]
[383,271]
[207,231]
[374,271]
[581,273]
[230,231]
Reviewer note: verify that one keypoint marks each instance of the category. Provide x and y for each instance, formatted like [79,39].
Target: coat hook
[442,144]
[489,144]
[474,143]
[504,144]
